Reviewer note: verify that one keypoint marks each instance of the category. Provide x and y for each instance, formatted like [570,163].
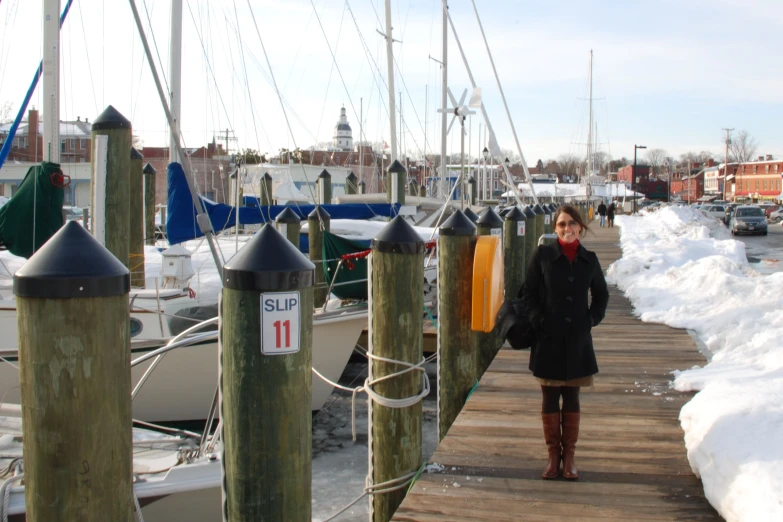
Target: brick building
[756,180]
[28,143]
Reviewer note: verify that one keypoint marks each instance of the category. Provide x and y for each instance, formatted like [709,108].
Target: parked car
[769,208]
[714,211]
[748,219]
[73,213]
[776,216]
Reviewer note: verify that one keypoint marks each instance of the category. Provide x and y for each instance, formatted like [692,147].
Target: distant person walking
[601,214]
[610,214]
[565,296]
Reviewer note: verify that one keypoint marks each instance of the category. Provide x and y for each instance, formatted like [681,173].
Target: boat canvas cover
[356,270]
[181,216]
[35,209]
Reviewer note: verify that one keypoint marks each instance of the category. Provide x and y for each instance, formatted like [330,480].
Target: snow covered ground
[683,269]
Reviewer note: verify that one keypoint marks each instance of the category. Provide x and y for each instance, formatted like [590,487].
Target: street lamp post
[633,175]
[485,153]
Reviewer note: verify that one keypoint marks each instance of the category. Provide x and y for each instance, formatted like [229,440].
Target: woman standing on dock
[558,280]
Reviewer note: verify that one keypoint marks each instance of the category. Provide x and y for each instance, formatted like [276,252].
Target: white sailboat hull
[183,384]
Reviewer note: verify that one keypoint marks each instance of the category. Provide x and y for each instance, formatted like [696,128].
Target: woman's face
[567,228]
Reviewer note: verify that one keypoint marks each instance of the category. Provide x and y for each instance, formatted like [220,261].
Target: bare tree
[742,147]
[569,163]
[5,112]
[656,159]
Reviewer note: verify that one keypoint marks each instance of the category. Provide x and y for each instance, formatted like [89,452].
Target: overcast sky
[667,73]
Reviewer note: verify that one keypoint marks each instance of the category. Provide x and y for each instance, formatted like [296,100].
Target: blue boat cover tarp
[181,213]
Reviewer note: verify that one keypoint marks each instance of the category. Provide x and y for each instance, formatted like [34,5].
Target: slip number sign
[280,322]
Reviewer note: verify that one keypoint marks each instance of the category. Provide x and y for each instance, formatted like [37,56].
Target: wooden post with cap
[324,184]
[74,368]
[538,210]
[266,382]
[351,183]
[488,344]
[396,183]
[317,222]
[149,203]
[287,223]
[396,279]
[514,236]
[531,241]
[457,355]
[111,142]
[136,219]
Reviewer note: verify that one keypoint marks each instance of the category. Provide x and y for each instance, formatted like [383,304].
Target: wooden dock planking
[631,455]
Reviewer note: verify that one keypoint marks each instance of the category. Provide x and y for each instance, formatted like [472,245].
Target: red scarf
[569,249]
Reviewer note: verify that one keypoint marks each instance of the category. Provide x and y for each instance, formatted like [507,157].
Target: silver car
[748,220]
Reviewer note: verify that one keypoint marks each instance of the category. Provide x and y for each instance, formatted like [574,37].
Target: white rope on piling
[5,492]
[377,489]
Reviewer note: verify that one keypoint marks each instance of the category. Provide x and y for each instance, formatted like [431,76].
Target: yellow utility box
[487,283]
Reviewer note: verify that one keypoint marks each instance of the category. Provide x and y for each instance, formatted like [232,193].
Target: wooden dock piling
[396,178]
[265,190]
[317,222]
[473,190]
[287,223]
[457,355]
[538,210]
[136,219]
[351,185]
[324,188]
[110,183]
[149,204]
[531,241]
[513,252]
[422,191]
[266,382]
[74,366]
[397,292]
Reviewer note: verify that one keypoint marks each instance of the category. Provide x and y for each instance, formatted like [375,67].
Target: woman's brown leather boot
[552,438]
[570,436]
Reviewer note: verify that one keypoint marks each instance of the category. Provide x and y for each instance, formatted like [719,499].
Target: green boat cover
[36,208]
[334,247]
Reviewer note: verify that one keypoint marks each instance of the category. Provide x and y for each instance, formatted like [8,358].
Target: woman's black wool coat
[555,294]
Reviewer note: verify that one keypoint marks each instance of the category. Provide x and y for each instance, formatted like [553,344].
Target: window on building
[757,184]
[14,188]
[67,197]
[767,168]
[765,184]
[62,145]
[72,144]
[747,185]
[778,183]
[496,184]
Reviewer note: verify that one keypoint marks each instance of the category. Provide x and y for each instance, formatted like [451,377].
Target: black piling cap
[72,264]
[472,216]
[136,155]
[398,237]
[287,216]
[351,176]
[268,263]
[489,219]
[149,169]
[471,180]
[319,213]
[396,167]
[325,174]
[110,119]
[529,214]
[553,207]
[514,214]
[362,183]
[267,177]
[458,225]
[538,209]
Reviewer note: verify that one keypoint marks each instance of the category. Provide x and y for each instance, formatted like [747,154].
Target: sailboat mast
[175,73]
[590,155]
[444,106]
[390,72]
[51,81]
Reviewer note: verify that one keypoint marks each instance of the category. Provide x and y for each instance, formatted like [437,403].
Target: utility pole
[726,165]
